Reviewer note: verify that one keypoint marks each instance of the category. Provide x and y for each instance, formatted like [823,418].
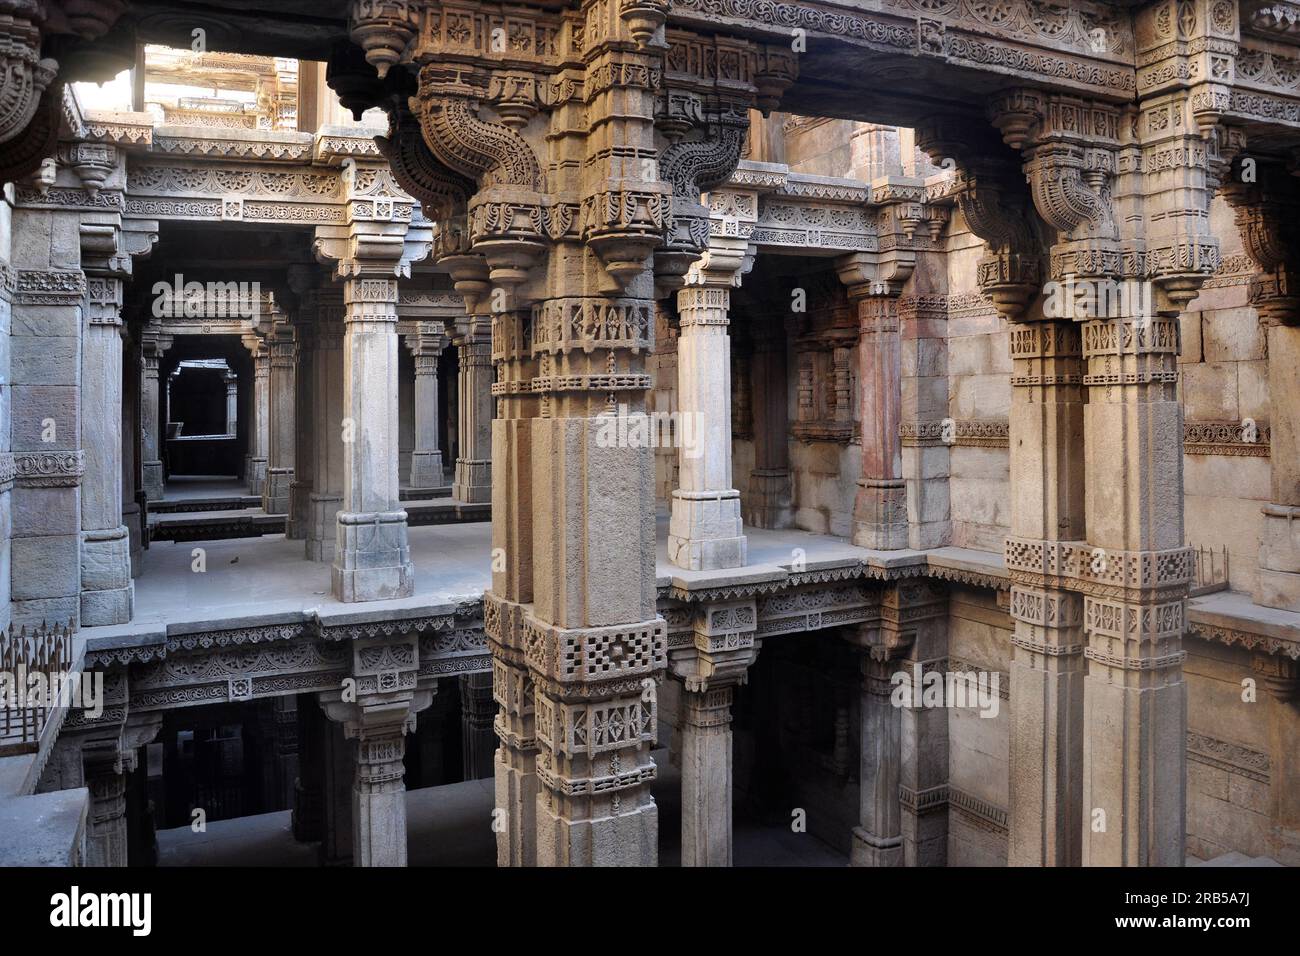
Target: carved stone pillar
[1280,678]
[874,283]
[477,712]
[106,831]
[878,840]
[1137,571]
[1047,666]
[132,512]
[326,424]
[1103,186]
[474,387]
[573,597]
[723,648]
[281,440]
[107,591]
[378,722]
[704,532]
[373,560]
[154,347]
[770,501]
[426,457]
[259,425]
[232,403]
[880,509]
[304,426]
[914,615]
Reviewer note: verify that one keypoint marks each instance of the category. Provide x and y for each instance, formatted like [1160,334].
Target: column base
[275,491]
[880,514]
[628,838]
[770,499]
[473,481]
[516,794]
[133,518]
[426,470]
[256,475]
[153,480]
[322,527]
[372,560]
[107,591]
[869,850]
[704,532]
[298,525]
[1278,579]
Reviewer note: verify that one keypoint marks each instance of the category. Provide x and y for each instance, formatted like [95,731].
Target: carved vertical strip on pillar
[512,585]
[473,481]
[107,591]
[1047,668]
[373,559]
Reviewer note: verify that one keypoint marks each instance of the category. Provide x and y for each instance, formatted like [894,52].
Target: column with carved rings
[564,260]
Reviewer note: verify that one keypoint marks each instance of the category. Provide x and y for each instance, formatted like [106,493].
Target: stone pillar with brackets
[372,559]
[426,457]
[875,281]
[1094,180]
[717,661]
[704,531]
[564,254]
[376,715]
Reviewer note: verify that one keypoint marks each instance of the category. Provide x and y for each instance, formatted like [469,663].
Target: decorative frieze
[1233,758]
